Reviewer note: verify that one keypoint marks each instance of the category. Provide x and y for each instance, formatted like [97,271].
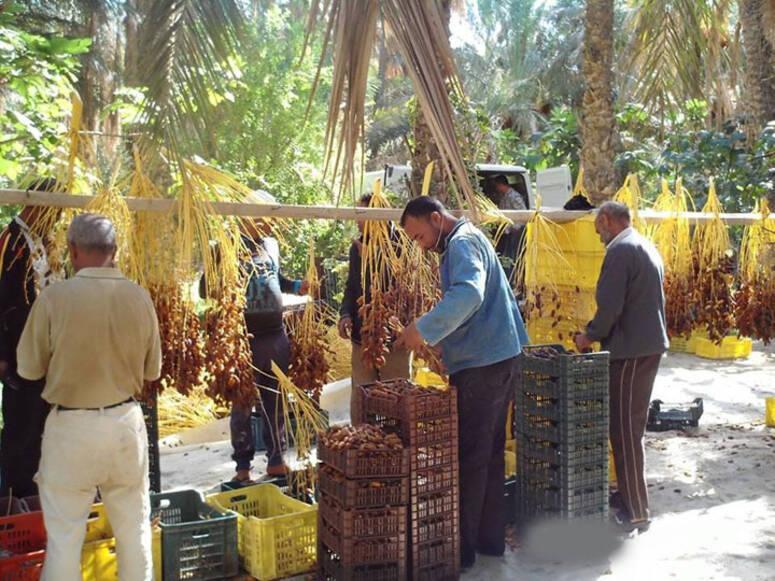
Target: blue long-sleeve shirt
[477,321]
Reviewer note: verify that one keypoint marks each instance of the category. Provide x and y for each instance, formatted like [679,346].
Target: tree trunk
[425,149]
[760,61]
[598,124]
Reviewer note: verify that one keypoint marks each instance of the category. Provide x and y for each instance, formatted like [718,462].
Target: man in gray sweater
[630,324]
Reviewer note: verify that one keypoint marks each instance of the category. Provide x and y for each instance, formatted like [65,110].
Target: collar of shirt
[100,272]
[619,236]
[452,232]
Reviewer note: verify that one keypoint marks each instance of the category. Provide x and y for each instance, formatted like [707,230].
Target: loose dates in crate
[364,437]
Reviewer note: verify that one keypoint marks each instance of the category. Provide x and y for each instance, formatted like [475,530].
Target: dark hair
[501,179]
[422,207]
[365,199]
[43,185]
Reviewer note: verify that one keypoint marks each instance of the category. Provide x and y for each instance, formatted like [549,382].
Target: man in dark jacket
[24,272]
[630,323]
[397,362]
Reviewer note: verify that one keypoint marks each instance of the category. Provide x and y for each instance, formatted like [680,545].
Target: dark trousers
[484,395]
[265,349]
[24,415]
[631,383]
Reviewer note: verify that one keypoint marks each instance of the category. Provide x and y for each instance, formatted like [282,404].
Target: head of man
[256,228]
[500,185]
[427,222]
[34,216]
[91,239]
[612,218]
[363,202]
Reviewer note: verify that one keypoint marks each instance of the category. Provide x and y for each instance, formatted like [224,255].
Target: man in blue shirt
[480,331]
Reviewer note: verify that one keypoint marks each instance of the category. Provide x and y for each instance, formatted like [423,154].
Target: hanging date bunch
[672,237]
[378,263]
[713,273]
[755,312]
[181,340]
[229,367]
[310,350]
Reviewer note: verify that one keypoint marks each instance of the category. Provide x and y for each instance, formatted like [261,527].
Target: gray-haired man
[630,323]
[95,339]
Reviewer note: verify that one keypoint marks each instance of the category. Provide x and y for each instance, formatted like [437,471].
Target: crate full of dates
[363,451]
[551,371]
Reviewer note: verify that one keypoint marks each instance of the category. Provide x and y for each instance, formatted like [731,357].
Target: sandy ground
[712,489]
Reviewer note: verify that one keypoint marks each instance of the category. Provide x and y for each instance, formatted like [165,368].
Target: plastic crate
[443,552]
[364,550]
[331,568]
[434,505]
[24,537]
[363,493]
[549,331]
[510,458]
[198,541]
[10,505]
[730,348]
[364,522]
[151,416]
[436,456]
[577,269]
[676,417]
[510,495]
[588,431]
[566,454]
[433,480]
[440,572]
[365,463]
[32,503]
[565,503]
[98,561]
[566,375]
[410,404]
[562,411]
[434,528]
[277,533]
[539,472]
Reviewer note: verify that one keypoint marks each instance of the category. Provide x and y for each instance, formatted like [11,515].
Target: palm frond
[186,47]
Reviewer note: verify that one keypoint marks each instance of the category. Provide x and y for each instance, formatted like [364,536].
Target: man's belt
[106,407]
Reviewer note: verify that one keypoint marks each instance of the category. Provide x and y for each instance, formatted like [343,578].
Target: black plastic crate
[151,416]
[579,432]
[198,541]
[563,503]
[565,454]
[583,372]
[676,417]
[540,472]
[533,408]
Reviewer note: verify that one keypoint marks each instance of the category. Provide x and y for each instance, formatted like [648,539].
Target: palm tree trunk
[425,150]
[598,125]
[760,57]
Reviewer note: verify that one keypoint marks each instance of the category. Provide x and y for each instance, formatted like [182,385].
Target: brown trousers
[631,383]
[396,367]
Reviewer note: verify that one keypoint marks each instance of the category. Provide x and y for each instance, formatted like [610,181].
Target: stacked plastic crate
[362,515]
[562,435]
[426,420]
[560,279]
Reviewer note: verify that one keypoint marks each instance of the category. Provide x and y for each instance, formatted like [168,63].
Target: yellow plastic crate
[98,559]
[545,332]
[578,236]
[277,533]
[769,413]
[730,348]
[510,455]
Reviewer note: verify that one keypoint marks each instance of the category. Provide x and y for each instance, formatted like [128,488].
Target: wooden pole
[60,200]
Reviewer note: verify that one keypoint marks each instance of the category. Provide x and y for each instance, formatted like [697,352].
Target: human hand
[410,339]
[345,327]
[583,342]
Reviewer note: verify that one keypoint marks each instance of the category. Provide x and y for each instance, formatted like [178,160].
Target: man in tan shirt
[95,339]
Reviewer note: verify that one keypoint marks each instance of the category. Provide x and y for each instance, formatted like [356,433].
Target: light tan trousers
[396,367]
[83,450]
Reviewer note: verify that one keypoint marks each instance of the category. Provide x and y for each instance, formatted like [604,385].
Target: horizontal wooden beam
[287,211]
